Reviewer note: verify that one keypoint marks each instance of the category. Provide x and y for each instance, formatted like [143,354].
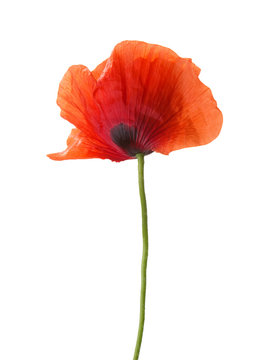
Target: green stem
[140,158]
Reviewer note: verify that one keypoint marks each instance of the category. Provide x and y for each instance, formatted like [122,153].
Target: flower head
[144,98]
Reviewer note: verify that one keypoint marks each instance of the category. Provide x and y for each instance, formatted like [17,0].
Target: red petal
[143,98]
[81,146]
[75,98]
[99,69]
[152,88]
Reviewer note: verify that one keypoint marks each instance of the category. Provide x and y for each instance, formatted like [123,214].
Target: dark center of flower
[126,137]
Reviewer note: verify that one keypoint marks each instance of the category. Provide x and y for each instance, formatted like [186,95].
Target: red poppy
[144,98]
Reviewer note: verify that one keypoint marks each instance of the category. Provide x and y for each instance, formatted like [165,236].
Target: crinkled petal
[80,146]
[75,98]
[152,89]
[99,69]
[197,120]
[143,98]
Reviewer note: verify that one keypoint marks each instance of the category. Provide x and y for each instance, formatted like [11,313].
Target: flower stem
[140,158]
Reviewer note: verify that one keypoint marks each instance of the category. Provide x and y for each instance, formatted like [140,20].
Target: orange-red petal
[151,88]
[99,69]
[143,98]
[80,146]
[75,98]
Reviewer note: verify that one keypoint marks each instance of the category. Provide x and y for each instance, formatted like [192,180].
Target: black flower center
[126,137]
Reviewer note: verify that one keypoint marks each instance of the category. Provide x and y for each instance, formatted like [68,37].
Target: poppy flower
[143,98]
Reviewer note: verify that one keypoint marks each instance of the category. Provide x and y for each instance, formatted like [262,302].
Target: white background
[70,231]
